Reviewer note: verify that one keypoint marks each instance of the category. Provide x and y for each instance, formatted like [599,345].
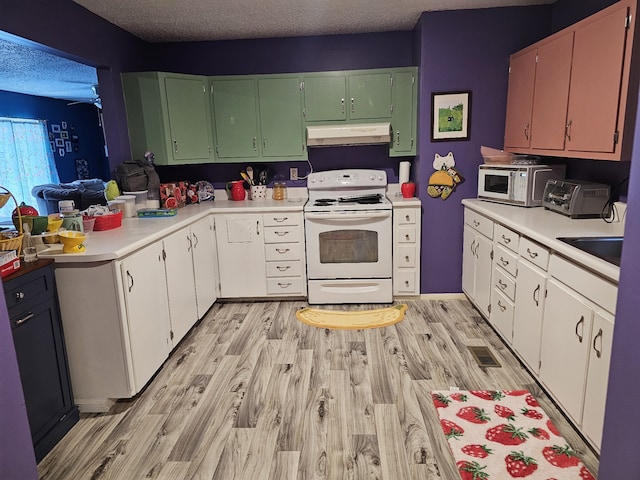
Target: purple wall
[17,460]
[464,50]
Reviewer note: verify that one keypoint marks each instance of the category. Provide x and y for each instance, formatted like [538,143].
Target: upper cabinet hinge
[627,21]
[304,112]
[509,68]
[536,58]
[204,89]
[616,136]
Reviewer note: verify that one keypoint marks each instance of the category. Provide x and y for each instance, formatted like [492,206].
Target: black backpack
[137,175]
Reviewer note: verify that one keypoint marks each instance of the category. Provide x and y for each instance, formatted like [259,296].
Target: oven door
[348,244]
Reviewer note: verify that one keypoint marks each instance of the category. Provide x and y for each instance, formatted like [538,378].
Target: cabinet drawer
[501,315]
[282,234]
[284,269]
[504,283]
[506,237]
[283,251]
[28,290]
[275,219]
[505,259]
[405,216]
[479,222]
[536,254]
[406,234]
[285,286]
[405,281]
[406,256]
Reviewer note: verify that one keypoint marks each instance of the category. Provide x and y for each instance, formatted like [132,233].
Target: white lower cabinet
[205,263]
[406,250]
[147,324]
[476,260]
[122,318]
[598,376]
[527,323]
[261,255]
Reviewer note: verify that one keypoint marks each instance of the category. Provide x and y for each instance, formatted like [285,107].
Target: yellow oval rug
[352,320]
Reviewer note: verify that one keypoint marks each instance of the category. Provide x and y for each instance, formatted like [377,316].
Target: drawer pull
[532,254]
[19,296]
[536,298]
[504,262]
[284,285]
[406,283]
[502,307]
[280,219]
[282,250]
[282,234]
[595,339]
[406,258]
[580,325]
[476,223]
[407,218]
[283,268]
[501,284]
[29,316]
[407,237]
[506,239]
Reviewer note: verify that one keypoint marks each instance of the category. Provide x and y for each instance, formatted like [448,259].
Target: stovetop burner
[323,202]
[347,190]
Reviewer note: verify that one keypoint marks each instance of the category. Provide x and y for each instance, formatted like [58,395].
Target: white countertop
[397,200]
[545,226]
[136,233]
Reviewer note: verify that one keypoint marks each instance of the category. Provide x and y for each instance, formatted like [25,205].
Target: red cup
[408,189]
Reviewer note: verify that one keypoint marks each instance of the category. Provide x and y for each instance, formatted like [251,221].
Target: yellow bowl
[72,241]
[54,224]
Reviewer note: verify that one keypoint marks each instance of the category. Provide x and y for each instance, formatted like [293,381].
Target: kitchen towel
[403,176]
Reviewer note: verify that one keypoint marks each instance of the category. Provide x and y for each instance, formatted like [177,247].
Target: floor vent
[484,357]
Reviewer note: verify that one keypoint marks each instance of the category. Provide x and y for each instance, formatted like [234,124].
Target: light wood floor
[251,393]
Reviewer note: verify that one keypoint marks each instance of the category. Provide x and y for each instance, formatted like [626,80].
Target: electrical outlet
[293,173]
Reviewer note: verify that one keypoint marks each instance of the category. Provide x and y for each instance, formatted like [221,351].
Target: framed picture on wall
[450,116]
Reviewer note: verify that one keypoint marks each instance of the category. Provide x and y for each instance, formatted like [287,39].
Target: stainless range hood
[358,134]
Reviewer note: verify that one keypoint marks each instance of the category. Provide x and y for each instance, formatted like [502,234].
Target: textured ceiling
[31,70]
[193,20]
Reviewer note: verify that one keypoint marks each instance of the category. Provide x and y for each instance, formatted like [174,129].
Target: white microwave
[521,185]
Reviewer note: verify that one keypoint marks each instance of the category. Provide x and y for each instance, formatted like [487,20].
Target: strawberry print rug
[503,435]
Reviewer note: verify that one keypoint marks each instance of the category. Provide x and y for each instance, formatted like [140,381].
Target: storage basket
[14,243]
[108,222]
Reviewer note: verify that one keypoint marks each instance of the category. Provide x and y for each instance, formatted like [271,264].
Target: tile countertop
[544,226]
[136,233]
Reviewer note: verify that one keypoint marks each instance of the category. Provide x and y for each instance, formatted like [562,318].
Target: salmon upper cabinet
[568,93]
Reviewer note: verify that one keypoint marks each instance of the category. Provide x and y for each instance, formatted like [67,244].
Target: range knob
[372,177]
[321,179]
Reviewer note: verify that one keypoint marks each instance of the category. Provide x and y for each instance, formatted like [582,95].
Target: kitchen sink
[606,248]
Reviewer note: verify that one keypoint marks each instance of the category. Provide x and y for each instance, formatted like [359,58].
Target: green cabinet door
[370,96]
[325,97]
[282,134]
[403,120]
[189,119]
[236,121]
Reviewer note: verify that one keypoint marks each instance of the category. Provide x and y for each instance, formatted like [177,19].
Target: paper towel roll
[403,176]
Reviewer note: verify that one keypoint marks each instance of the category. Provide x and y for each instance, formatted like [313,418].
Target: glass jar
[279,191]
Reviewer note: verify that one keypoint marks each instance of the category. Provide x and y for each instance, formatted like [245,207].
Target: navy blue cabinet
[37,334]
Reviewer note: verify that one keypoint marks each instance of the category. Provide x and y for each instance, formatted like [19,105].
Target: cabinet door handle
[175,145]
[502,307]
[526,131]
[578,325]
[398,137]
[504,262]
[595,339]
[130,277]
[506,239]
[567,131]
[257,227]
[536,298]
[352,105]
[342,105]
[196,240]
[501,284]
[473,246]
[255,144]
[532,254]
[30,315]
[189,244]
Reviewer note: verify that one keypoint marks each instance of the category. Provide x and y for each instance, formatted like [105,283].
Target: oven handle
[347,216]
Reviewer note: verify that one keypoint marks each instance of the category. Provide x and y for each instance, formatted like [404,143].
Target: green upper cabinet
[370,96]
[281,126]
[235,117]
[325,98]
[404,116]
[168,114]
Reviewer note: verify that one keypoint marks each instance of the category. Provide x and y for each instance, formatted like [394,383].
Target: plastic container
[108,222]
[140,199]
[88,223]
[129,205]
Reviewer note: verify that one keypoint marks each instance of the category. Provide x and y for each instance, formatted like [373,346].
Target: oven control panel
[347,178]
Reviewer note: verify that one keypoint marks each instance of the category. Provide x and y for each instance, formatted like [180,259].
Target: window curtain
[26,159]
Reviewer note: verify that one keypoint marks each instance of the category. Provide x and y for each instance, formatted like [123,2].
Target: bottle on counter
[279,191]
